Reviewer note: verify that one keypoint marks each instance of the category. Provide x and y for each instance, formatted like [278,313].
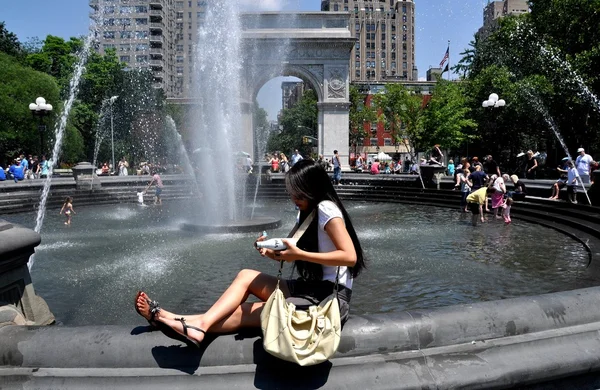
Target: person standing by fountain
[476,200]
[67,208]
[157,181]
[43,167]
[329,242]
[123,165]
[531,166]
[295,157]
[572,182]
[583,163]
[337,168]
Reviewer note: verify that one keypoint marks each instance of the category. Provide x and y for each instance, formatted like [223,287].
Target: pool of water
[418,257]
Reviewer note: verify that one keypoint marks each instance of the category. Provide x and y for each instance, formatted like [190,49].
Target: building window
[179,59]
[125,34]
[140,9]
[179,5]
[124,48]
[125,58]
[357,46]
[141,47]
[373,141]
[404,65]
[109,35]
[357,73]
[336,7]
[179,47]
[179,15]
[143,59]
[141,34]
[179,70]
[141,21]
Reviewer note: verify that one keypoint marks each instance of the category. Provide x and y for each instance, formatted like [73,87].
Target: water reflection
[419,257]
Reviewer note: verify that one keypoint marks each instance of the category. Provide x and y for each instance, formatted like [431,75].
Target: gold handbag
[305,337]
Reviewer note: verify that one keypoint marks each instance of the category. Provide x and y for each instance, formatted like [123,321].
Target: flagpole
[448,60]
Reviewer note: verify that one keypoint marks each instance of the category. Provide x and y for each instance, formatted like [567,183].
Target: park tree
[402,111]
[20,86]
[539,70]
[57,58]
[361,114]
[9,43]
[297,121]
[447,121]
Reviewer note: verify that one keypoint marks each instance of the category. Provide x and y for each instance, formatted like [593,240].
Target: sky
[437,22]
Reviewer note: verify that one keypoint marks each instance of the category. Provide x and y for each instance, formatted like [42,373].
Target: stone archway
[314,47]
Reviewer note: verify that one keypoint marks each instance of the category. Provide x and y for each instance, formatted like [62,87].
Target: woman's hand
[290,254]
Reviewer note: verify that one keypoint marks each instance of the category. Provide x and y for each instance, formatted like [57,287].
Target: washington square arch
[314,47]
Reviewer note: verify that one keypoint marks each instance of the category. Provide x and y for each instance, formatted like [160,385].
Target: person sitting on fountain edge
[329,242]
[436,156]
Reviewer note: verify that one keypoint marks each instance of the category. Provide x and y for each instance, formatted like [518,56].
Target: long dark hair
[308,180]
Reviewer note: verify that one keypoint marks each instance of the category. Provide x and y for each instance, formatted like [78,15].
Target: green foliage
[544,65]
[72,149]
[402,112]
[57,58]
[20,86]
[446,118]
[297,121]
[9,42]
[360,114]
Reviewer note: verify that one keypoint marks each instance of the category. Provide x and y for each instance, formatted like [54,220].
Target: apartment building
[155,34]
[385,38]
[495,10]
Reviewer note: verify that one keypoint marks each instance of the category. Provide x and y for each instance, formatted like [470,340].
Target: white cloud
[263,5]
[422,79]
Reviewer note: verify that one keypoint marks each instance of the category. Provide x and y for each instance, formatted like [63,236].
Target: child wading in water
[506,210]
[329,242]
[68,210]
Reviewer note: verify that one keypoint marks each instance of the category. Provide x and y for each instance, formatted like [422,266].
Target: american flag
[445,57]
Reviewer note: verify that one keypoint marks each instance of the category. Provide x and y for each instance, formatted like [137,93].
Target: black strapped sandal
[185,332]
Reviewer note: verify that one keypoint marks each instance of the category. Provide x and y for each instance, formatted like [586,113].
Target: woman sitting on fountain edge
[330,241]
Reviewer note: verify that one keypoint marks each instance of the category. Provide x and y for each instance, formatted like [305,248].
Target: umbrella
[381,156]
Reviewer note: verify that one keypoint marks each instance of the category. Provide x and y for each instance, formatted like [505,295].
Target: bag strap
[296,233]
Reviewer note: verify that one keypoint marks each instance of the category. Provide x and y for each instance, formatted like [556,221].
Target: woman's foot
[192,329]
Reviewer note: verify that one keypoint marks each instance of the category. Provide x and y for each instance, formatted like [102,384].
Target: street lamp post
[493,101]
[112,131]
[40,109]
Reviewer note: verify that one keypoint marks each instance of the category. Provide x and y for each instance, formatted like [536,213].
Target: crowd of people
[24,167]
[477,181]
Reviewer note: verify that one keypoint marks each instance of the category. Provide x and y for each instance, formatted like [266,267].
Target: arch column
[333,130]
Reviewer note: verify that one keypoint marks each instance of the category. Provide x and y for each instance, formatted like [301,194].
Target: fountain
[60,130]
[219,122]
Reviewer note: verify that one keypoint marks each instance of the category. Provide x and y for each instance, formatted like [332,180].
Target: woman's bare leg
[228,314]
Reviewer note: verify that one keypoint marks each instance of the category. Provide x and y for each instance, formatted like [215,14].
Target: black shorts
[307,293]
[474,208]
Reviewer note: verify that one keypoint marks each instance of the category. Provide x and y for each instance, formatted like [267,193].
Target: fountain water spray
[219,121]
[550,121]
[59,132]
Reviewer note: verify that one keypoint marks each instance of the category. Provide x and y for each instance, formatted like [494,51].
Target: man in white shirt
[582,163]
[295,157]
